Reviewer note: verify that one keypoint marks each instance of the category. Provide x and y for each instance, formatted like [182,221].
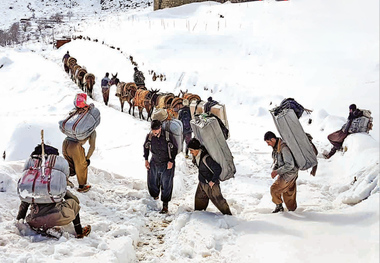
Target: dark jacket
[205,175]
[159,148]
[353,115]
[138,78]
[185,111]
[42,209]
[65,57]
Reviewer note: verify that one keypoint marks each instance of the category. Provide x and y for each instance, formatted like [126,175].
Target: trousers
[160,179]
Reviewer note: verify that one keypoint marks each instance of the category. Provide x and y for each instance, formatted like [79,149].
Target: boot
[278,208]
[164,208]
[331,153]
[85,232]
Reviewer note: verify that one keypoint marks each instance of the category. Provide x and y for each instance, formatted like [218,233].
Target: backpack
[290,103]
[44,177]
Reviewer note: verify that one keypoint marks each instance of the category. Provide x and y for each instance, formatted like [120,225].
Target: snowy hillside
[248,56]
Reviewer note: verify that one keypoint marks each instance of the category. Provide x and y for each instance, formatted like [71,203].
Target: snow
[325,56]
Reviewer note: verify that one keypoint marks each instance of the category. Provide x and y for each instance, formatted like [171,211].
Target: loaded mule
[73,71]
[79,76]
[145,99]
[71,61]
[88,83]
[125,91]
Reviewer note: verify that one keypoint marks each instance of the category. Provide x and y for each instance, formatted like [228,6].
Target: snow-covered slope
[252,58]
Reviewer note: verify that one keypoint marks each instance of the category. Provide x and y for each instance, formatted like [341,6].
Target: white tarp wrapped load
[175,127]
[361,124]
[81,122]
[292,133]
[209,133]
[42,185]
[219,110]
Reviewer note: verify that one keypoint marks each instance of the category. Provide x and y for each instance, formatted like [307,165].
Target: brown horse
[175,106]
[189,96]
[128,93]
[88,83]
[164,100]
[71,61]
[79,77]
[145,99]
[73,70]
[122,91]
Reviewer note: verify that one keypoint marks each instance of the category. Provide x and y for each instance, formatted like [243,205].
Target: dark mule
[88,83]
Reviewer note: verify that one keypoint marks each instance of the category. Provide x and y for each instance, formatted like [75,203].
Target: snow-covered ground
[248,56]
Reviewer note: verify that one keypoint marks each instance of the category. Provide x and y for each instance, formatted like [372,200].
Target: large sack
[43,185]
[361,124]
[209,133]
[176,129]
[219,110]
[160,114]
[81,122]
[292,133]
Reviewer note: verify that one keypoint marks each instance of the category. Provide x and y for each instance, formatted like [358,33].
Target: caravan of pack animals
[176,118]
[135,95]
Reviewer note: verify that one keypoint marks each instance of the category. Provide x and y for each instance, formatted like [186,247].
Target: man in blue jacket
[208,175]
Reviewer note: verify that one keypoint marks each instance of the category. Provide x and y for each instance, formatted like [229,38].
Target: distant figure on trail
[208,175]
[184,115]
[161,167]
[337,138]
[284,188]
[64,60]
[138,78]
[66,56]
[74,152]
[106,88]
[209,104]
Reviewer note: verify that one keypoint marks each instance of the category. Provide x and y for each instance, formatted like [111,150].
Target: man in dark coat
[162,164]
[337,138]
[208,176]
[184,115]
[284,189]
[64,60]
[138,78]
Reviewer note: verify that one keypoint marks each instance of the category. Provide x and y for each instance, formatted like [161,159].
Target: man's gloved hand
[88,162]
